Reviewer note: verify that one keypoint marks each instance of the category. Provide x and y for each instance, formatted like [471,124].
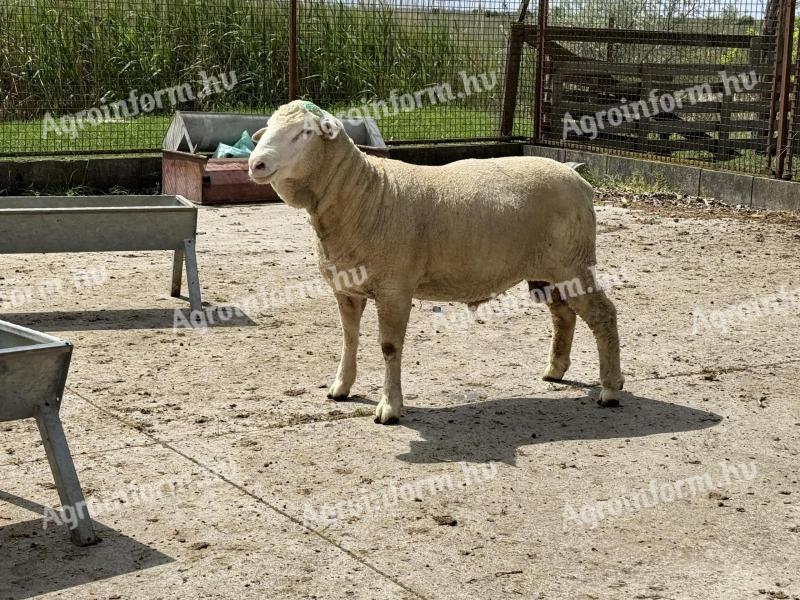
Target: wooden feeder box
[189,171]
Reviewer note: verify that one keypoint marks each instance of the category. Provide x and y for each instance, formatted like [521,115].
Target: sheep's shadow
[492,430]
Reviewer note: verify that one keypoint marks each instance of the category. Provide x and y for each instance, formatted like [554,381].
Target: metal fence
[105,75]
[699,81]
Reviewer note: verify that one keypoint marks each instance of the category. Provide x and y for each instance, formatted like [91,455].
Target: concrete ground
[218,469]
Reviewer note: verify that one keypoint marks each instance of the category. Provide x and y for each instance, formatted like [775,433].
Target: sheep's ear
[330,127]
[257,135]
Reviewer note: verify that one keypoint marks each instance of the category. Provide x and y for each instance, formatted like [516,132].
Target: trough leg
[177,273]
[66,479]
[192,277]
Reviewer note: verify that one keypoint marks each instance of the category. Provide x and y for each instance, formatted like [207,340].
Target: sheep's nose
[258,166]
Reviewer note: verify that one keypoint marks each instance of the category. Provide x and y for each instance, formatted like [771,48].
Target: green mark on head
[313,108]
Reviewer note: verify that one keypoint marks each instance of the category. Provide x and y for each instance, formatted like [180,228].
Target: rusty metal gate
[689,81]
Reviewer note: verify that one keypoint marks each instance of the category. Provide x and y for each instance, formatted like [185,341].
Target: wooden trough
[33,374]
[189,171]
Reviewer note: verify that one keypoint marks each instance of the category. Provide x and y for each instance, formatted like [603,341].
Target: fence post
[516,37]
[538,110]
[782,144]
[794,128]
[294,88]
[516,41]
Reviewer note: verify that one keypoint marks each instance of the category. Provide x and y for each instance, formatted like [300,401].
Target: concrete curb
[132,173]
[138,173]
[727,187]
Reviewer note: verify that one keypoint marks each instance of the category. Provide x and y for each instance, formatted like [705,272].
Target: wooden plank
[732,125]
[703,126]
[712,107]
[661,147]
[182,175]
[676,126]
[664,87]
[748,124]
[631,89]
[759,144]
[640,36]
[662,68]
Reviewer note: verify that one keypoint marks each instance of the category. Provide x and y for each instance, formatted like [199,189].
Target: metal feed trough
[192,137]
[105,224]
[33,373]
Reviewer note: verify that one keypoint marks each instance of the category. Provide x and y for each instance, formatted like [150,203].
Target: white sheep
[463,232]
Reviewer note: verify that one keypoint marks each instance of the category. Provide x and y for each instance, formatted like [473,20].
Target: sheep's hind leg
[393,312]
[350,310]
[563,329]
[600,315]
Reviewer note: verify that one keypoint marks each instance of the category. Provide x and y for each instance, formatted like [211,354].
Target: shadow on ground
[494,429]
[38,561]
[143,318]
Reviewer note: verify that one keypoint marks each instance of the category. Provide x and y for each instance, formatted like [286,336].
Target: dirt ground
[219,469]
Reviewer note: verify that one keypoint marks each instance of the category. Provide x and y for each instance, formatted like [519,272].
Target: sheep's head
[292,143]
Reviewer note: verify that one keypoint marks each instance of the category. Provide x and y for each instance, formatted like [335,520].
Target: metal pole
[523,11]
[516,40]
[793,134]
[785,88]
[538,110]
[294,87]
[774,55]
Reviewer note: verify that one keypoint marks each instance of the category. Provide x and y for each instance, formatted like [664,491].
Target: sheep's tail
[574,166]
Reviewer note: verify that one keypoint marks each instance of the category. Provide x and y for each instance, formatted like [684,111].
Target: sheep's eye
[298,136]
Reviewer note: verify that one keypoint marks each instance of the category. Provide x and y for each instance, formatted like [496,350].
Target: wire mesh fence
[426,70]
[685,80]
[61,57]
[695,81]
[105,75]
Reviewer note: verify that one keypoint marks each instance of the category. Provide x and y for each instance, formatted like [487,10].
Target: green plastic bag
[241,149]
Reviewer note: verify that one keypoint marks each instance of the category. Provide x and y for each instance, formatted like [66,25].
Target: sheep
[464,232]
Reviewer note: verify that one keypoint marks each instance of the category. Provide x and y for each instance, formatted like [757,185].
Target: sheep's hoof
[387,414]
[608,403]
[339,391]
[609,398]
[553,374]
[389,421]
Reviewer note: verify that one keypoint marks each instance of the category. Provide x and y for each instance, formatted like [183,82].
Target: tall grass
[66,55]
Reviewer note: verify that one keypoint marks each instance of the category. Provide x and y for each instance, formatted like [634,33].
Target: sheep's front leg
[393,312]
[350,310]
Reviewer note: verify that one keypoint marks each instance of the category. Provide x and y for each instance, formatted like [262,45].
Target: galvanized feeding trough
[33,373]
[188,169]
[105,224]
